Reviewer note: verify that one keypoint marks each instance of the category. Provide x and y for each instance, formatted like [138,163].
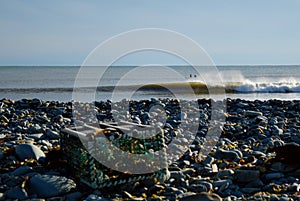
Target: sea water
[57,82]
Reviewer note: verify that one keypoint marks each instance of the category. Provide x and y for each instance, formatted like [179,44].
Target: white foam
[274,87]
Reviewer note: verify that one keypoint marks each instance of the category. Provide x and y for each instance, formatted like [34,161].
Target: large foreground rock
[46,186]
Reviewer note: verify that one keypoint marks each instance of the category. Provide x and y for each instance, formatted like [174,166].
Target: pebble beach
[256,156]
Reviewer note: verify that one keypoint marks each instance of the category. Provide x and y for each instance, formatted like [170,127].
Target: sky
[232,32]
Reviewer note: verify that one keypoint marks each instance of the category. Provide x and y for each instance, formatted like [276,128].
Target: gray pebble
[250,113]
[49,185]
[25,151]
[94,197]
[202,196]
[21,170]
[250,190]
[2,196]
[17,193]
[246,176]
[224,174]
[73,196]
[52,134]
[271,176]
[36,136]
[226,155]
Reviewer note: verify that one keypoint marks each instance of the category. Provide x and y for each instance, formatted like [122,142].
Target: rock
[76,196]
[220,183]
[250,190]
[214,168]
[46,186]
[225,174]
[284,198]
[245,176]
[258,154]
[52,134]
[17,193]
[207,185]
[276,130]
[283,153]
[25,151]
[197,188]
[250,113]
[202,196]
[36,136]
[272,176]
[255,184]
[226,155]
[178,175]
[2,196]
[21,170]
[281,167]
[94,197]
[1,155]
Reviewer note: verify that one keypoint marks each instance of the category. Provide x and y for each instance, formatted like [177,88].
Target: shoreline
[241,165]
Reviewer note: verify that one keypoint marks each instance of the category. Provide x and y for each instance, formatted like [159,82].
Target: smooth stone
[197,188]
[276,130]
[246,176]
[36,136]
[208,161]
[208,185]
[202,196]
[17,193]
[1,155]
[178,175]
[281,167]
[94,197]
[250,190]
[21,170]
[226,155]
[225,174]
[50,185]
[52,134]
[220,183]
[74,196]
[274,198]
[271,176]
[255,184]
[258,154]
[2,196]
[283,198]
[250,113]
[25,151]
[294,187]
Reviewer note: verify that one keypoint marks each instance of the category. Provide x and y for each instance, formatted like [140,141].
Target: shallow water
[57,82]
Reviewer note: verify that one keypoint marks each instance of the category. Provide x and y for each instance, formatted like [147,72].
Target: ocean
[244,82]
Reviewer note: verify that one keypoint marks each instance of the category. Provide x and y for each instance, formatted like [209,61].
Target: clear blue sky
[54,32]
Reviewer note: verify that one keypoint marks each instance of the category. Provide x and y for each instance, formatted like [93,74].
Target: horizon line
[154,65]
